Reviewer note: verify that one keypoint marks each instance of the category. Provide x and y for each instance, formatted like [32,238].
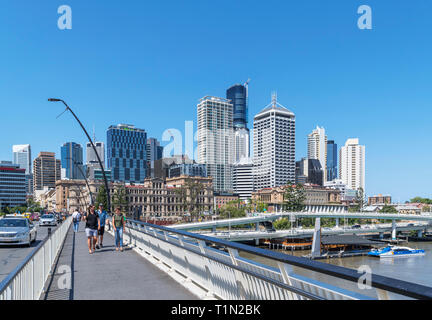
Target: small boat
[395,251]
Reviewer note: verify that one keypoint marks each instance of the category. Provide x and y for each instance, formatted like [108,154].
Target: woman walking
[92,227]
[118,223]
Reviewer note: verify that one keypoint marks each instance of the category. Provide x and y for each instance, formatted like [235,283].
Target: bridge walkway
[108,274]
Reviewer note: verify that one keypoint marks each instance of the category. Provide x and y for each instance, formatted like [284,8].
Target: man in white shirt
[76,217]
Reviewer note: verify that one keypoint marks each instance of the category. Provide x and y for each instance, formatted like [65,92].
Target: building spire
[274,99]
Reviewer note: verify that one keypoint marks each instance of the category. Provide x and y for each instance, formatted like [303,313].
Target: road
[11,256]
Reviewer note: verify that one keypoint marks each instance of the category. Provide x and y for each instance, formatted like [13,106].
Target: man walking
[92,227]
[76,218]
[102,218]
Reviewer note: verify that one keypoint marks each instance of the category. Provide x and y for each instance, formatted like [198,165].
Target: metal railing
[225,274]
[27,280]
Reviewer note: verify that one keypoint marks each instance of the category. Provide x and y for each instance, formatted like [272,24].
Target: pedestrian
[118,222]
[102,218]
[76,218]
[92,227]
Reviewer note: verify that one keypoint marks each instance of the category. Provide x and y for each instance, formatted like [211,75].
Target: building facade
[309,171]
[22,157]
[332,160]
[317,148]
[187,169]
[12,185]
[243,181]
[379,199]
[215,140]
[352,164]
[47,170]
[274,146]
[72,161]
[91,154]
[127,153]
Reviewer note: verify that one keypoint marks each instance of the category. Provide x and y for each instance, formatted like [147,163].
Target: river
[411,269]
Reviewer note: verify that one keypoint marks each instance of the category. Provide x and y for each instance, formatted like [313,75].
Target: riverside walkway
[108,274]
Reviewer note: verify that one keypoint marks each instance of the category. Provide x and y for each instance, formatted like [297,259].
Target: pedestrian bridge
[164,263]
[261,217]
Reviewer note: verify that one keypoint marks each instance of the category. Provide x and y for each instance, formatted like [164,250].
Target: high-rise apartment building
[127,153]
[72,161]
[215,140]
[317,148]
[332,160]
[12,185]
[274,146]
[238,96]
[46,171]
[352,164]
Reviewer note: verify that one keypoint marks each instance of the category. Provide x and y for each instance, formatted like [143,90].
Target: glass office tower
[332,160]
[72,161]
[238,96]
[126,153]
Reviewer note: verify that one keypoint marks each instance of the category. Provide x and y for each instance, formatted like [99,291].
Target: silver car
[48,220]
[17,231]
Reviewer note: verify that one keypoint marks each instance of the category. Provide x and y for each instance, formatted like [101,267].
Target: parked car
[356,226]
[48,220]
[17,230]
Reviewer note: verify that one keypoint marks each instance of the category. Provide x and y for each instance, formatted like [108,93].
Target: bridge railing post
[206,262]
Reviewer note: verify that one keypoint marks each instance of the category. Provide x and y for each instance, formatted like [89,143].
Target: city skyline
[373,85]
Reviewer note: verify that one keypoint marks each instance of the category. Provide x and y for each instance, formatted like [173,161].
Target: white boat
[396,252]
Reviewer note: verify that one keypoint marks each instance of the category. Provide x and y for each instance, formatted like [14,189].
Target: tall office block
[91,154]
[72,161]
[154,153]
[12,185]
[238,96]
[332,160]
[215,140]
[317,148]
[126,153]
[274,146]
[309,171]
[22,157]
[352,164]
[243,181]
[46,171]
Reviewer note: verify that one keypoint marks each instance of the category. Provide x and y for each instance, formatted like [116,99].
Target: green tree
[232,210]
[294,197]
[360,199]
[282,224]
[421,200]
[102,198]
[189,195]
[388,209]
[120,199]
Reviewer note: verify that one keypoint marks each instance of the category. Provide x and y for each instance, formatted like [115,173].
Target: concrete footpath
[108,274]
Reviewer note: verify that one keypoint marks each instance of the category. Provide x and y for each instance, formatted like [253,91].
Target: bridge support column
[394,230]
[214,228]
[257,242]
[381,235]
[420,233]
[257,226]
[337,222]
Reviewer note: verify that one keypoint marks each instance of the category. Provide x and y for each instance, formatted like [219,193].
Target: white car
[17,230]
[48,220]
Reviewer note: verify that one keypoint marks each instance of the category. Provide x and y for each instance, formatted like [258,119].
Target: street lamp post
[94,148]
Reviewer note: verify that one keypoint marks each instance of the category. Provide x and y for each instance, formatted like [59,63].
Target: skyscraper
[309,171]
[332,160]
[243,182]
[154,152]
[72,161]
[126,153]
[238,96]
[215,140]
[274,146]
[22,157]
[12,185]
[91,154]
[317,148]
[352,164]
[46,171]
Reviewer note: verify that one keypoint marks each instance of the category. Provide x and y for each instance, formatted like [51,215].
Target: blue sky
[148,62]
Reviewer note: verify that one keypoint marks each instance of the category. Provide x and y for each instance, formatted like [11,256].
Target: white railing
[227,275]
[28,279]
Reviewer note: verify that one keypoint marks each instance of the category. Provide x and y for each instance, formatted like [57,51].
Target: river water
[411,269]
